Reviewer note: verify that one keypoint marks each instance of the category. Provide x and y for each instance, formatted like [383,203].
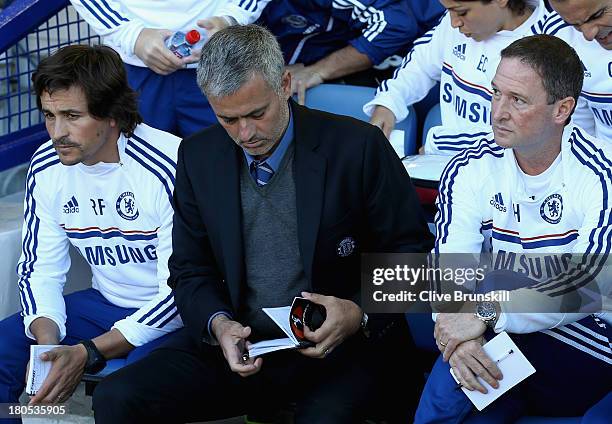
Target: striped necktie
[261,172]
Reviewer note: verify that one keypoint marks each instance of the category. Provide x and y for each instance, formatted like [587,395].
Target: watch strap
[95,360]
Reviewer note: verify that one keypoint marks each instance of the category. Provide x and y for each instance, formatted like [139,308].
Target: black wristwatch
[95,360]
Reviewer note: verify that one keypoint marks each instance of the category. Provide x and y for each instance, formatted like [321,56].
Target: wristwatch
[364,325]
[487,313]
[95,360]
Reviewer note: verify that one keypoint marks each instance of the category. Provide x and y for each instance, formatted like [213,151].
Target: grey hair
[234,55]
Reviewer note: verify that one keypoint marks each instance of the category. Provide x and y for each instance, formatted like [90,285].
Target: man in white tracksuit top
[462,53]
[534,186]
[103,183]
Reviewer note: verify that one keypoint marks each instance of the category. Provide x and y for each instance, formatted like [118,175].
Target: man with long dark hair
[102,183]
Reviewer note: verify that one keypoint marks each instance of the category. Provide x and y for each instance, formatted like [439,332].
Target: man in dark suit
[276,201]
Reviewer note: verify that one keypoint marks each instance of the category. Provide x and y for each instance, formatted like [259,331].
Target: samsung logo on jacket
[118,255]
[536,266]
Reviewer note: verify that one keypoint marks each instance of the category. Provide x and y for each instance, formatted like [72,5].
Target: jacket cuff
[138,334]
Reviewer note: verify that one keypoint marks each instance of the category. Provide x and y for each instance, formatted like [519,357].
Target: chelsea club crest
[295,21]
[552,209]
[126,206]
[346,247]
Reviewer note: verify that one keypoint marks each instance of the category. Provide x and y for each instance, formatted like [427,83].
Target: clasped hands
[343,320]
[459,336]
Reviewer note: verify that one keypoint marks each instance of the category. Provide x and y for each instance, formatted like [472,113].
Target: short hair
[232,56]
[516,6]
[99,71]
[557,64]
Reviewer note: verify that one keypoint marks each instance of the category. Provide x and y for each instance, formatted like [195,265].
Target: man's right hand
[384,119]
[232,338]
[151,49]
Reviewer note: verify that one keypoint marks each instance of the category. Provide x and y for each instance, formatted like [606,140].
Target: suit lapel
[227,200]
[309,184]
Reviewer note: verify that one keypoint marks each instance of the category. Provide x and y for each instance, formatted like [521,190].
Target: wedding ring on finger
[442,344]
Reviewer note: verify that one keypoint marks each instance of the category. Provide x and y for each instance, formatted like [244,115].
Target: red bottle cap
[192,37]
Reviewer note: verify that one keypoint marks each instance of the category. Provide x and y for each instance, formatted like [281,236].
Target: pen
[505,355]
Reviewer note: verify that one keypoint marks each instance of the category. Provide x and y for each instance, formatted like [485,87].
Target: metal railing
[29,31]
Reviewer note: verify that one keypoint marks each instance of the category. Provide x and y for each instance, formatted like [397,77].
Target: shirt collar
[275,159]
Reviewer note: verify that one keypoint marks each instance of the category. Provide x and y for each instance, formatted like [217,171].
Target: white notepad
[514,366]
[39,369]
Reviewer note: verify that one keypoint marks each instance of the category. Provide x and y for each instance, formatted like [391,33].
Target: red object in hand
[192,37]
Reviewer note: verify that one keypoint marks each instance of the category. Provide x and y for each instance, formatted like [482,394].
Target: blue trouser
[567,382]
[172,103]
[89,314]
[600,413]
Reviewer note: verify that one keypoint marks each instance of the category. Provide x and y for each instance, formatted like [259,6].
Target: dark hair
[516,6]
[557,64]
[100,73]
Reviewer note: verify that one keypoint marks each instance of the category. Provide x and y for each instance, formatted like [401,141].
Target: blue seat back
[111,366]
[433,119]
[349,100]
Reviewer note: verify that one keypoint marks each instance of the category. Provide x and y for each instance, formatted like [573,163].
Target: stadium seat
[433,119]
[92,379]
[349,100]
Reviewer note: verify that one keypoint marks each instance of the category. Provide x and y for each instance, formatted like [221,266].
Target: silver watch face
[486,311]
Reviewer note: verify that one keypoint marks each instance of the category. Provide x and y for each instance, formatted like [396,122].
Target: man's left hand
[453,329]
[66,372]
[302,78]
[343,319]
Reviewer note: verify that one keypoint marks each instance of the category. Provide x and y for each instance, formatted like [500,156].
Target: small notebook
[39,369]
[290,319]
[514,366]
